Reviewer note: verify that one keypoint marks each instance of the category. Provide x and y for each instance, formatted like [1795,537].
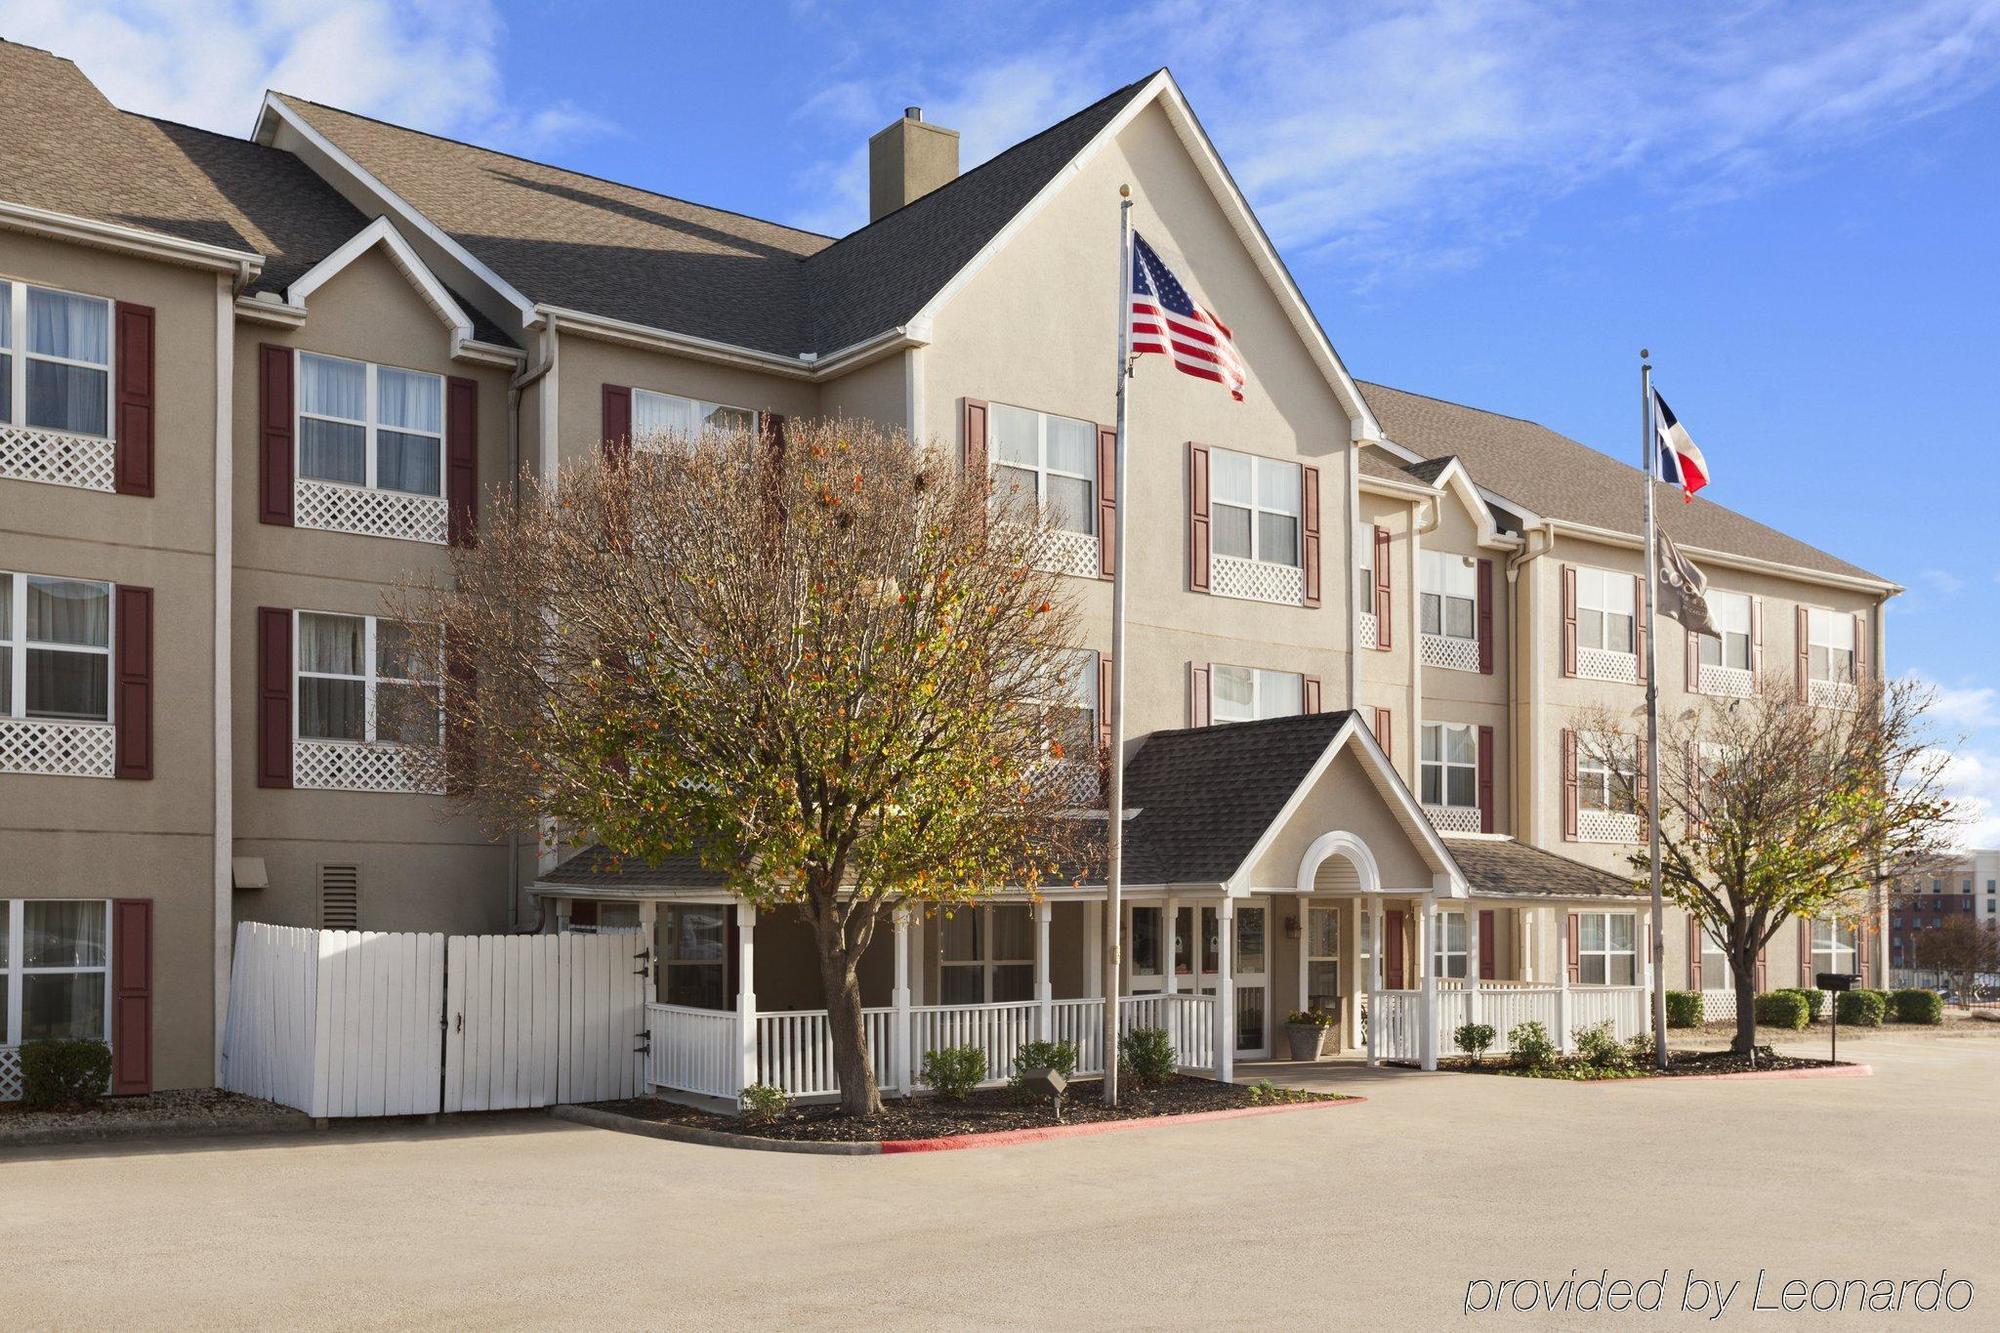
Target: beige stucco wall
[1343,799]
[588,364]
[877,392]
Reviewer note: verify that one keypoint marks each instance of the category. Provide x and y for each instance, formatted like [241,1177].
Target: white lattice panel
[1726,680]
[1602,664]
[371,513]
[1256,580]
[56,457]
[1064,552]
[1441,650]
[1453,818]
[11,1087]
[58,749]
[1606,826]
[1076,781]
[348,766]
[1369,633]
[1830,694]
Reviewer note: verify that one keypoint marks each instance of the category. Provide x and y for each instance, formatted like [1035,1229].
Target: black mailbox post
[1835,983]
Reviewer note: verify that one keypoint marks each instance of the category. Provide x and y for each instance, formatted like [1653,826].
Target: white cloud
[432,64]
[1966,708]
[1942,581]
[1971,779]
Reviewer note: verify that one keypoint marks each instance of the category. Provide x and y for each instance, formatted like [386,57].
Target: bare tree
[826,666]
[1963,950]
[1774,808]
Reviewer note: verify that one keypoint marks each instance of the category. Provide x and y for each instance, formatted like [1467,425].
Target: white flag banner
[1683,590]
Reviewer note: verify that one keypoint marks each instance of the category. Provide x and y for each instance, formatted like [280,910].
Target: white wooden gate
[536,1020]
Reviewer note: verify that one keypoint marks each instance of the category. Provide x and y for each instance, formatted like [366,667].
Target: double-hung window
[1254,508]
[1605,773]
[1607,949]
[692,944]
[1448,771]
[1833,947]
[1448,609]
[54,957]
[986,955]
[1449,958]
[357,682]
[1246,694]
[55,648]
[1724,666]
[1829,654]
[1053,461]
[55,360]
[372,426]
[1607,625]
[1715,973]
[660,417]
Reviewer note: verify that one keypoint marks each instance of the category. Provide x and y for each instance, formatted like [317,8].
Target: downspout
[223,773]
[516,386]
[1353,536]
[1423,526]
[1524,722]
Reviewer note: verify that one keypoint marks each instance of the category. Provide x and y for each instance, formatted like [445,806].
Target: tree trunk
[1745,968]
[859,1095]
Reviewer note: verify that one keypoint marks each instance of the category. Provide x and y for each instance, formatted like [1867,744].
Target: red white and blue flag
[1166,320]
[1681,463]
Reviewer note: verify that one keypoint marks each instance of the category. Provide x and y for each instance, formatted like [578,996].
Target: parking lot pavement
[1379,1216]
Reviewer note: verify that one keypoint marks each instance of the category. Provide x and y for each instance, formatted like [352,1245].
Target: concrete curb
[716,1138]
[139,1130]
[1825,1071]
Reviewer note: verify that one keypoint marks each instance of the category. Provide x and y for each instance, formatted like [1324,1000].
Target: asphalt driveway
[1374,1216]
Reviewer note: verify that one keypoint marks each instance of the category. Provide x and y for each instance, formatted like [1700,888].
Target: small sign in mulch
[994,1110]
[1680,1064]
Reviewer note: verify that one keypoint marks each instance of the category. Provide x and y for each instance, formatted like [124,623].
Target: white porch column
[1093,949]
[899,1037]
[1427,1040]
[1045,995]
[1304,918]
[1558,920]
[1472,960]
[1172,927]
[1225,990]
[746,995]
[1375,952]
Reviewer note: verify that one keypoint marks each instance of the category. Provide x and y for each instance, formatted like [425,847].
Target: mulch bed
[1680,1064]
[993,1110]
[182,1111]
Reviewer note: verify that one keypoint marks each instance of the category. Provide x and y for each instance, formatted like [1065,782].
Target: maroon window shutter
[134,730]
[1574,949]
[1694,954]
[1803,666]
[1693,662]
[1197,694]
[1487,817]
[461,447]
[1569,784]
[274,697]
[1309,694]
[1104,702]
[974,443]
[1639,623]
[771,427]
[616,410]
[1861,671]
[131,996]
[1484,590]
[1392,950]
[1309,533]
[1756,641]
[1569,619]
[1759,982]
[274,433]
[1488,967]
[1384,602]
[133,458]
[1107,501]
[1197,517]
[582,912]
[1805,953]
[1384,731]
[1864,934]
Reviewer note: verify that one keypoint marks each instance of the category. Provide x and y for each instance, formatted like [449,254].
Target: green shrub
[955,1071]
[1888,1003]
[1059,1056]
[1266,1093]
[762,1103]
[1598,1046]
[1684,1009]
[1146,1056]
[62,1073]
[1919,1006]
[1312,1018]
[1815,1001]
[1474,1039]
[1532,1047]
[1861,1007]
[1783,1009]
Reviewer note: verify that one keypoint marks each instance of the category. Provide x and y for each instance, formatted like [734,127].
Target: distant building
[1925,899]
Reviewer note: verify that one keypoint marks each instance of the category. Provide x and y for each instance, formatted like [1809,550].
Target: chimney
[907,161]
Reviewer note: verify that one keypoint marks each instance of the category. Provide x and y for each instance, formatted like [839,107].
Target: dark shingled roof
[596,868]
[1504,868]
[1559,478]
[1430,469]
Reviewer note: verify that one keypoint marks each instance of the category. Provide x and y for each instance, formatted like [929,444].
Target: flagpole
[1648,466]
[1114,841]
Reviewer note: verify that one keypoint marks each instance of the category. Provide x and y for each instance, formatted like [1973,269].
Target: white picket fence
[1395,1018]
[366,1023]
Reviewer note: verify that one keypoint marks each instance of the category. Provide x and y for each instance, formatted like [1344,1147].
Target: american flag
[1166,320]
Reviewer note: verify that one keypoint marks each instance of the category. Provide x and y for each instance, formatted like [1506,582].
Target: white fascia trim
[383,232]
[259,311]
[137,240]
[1387,781]
[1730,560]
[489,354]
[1401,490]
[275,110]
[1528,517]
[643,335]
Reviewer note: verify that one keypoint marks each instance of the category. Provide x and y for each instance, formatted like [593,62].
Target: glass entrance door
[1253,1028]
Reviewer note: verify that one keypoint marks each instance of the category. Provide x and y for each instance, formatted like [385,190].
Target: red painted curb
[1002,1138]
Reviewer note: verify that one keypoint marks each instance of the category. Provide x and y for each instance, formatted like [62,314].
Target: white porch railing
[795,1051]
[1396,1018]
[692,1050]
[997,1029]
[1624,1007]
[1395,1024]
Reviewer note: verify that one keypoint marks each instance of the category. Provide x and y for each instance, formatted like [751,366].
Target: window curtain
[332,709]
[6,344]
[655,415]
[75,328]
[413,402]
[69,611]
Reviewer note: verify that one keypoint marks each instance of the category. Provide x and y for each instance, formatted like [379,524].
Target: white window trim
[1601,579]
[1443,957]
[1257,675]
[1832,949]
[1444,764]
[986,963]
[703,409]
[371,427]
[1817,618]
[1590,760]
[1608,953]
[1720,645]
[1042,469]
[17,350]
[13,969]
[370,681]
[1256,510]
[20,644]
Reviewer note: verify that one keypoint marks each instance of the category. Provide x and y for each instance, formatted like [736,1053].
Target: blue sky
[1490,201]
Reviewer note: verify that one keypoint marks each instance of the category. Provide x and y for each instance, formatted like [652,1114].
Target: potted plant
[1310,1032]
